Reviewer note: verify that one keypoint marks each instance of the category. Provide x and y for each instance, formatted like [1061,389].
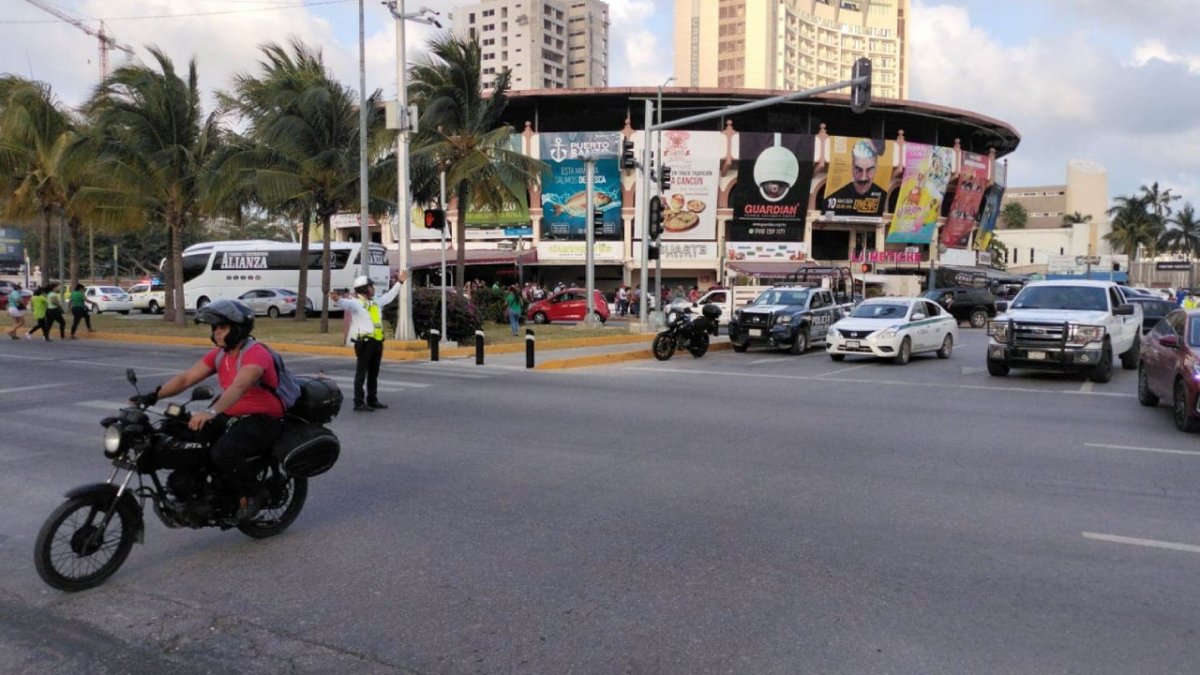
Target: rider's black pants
[247,436]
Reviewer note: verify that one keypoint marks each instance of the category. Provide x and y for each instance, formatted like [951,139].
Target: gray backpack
[288,390]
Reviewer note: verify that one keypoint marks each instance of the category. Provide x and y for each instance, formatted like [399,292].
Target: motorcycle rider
[247,415]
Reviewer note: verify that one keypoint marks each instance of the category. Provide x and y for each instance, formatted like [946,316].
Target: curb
[615,357]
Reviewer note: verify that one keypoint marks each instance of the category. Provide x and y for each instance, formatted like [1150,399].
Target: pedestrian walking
[37,303]
[366,334]
[79,310]
[622,300]
[54,311]
[16,312]
[512,308]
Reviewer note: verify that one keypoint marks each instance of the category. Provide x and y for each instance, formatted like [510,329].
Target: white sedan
[108,299]
[893,328]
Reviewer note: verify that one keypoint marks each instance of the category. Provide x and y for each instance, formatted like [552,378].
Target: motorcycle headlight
[785,319]
[672,317]
[1081,335]
[998,330]
[112,440]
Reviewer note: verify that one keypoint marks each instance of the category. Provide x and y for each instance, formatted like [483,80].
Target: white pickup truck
[1067,325]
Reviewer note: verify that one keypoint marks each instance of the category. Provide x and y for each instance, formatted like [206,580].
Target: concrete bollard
[529,340]
[435,339]
[479,348]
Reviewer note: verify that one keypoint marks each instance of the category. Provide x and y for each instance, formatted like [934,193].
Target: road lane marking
[1150,543]
[850,380]
[843,370]
[761,361]
[1135,448]
[13,390]
[1086,387]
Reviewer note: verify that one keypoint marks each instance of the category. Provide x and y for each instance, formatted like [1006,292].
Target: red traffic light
[435,219]
[866,267]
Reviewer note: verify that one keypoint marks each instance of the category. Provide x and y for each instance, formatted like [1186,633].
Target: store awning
[763,269]
[991,273]
[426,259]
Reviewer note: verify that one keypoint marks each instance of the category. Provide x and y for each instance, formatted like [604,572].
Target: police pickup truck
[785,317]
[1066,325]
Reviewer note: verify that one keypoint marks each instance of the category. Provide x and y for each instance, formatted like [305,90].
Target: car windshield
[880,310]
[1062,297]
[782,297]
[112,290]
[284,291]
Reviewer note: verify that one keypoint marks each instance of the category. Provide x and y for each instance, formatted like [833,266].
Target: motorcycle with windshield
[88,537]
[686,331]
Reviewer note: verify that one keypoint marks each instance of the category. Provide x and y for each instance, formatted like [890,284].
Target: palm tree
[154,143]
[463,135]
[1158,201]
[36,134]
[1076,218]
[302,146]
[1133,225]
[1014,215]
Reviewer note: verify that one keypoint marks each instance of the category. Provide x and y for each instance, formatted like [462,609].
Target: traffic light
[656,218]
[435,219]
[665,181]
[597,222]
[627,160]
[860,93]
[1116,267]
[866,268]
[652,252]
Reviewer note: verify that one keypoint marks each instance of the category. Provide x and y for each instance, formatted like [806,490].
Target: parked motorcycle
[686,331]
[88,537]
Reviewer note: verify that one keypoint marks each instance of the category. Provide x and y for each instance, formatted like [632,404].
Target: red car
[1169,367]
[567,305]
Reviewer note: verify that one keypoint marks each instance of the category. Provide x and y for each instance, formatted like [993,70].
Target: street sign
[1087,260]
[1170,265]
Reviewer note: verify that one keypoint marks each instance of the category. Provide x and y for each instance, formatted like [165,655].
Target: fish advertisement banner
[859,172]
[926,174]
[774,175]
[991,207]
[964,209]
[564,185]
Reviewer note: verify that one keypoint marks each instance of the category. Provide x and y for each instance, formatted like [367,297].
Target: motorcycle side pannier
[306,450]
[320,400]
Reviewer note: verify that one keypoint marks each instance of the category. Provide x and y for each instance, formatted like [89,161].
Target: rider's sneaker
[250,505]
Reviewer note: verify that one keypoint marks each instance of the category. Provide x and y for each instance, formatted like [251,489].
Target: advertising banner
[690,204]
[564,185]
[964,210]
[774,176]
[926,173]
[11,248]
[698,252]
[576,251]
[886,257]
[766,252]
[991,208]
[859,171]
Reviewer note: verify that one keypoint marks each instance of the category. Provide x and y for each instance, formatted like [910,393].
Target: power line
[274,8]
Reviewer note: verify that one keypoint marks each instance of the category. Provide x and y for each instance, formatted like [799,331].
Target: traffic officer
[366,333]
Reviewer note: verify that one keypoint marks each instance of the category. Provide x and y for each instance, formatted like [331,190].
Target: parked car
[1167,367]
[893,328]
[964,303]
[1153,310]
[273,301]
[567,305]
[149,298]
[107,299]
[5,289]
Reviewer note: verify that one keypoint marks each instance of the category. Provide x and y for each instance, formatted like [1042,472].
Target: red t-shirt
[257,400]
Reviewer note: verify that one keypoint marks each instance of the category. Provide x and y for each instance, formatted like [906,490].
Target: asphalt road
[741,513]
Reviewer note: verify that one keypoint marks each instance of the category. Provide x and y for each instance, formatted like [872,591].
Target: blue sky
[1111,81]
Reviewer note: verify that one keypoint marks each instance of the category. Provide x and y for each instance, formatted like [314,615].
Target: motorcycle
[88,537]
[686,331]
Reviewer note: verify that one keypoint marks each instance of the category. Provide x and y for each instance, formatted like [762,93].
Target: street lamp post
[404,323]
[364,225]
[658,188]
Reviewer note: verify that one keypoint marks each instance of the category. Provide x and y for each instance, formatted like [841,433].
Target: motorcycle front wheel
[72,553]
[698,345]
[664,346]
[286,497]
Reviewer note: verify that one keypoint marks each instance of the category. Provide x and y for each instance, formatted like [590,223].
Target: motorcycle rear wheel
[282,508]
[698,345]
[664,346]
[72,554]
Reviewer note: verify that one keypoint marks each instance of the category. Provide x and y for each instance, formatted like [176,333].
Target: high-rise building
[546,44]
[791,44]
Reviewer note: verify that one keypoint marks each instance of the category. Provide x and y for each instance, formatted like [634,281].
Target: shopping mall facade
[752,195]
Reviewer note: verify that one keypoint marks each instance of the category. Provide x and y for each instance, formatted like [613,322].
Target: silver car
[273,302]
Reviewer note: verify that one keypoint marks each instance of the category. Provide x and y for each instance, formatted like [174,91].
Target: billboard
[991,208]
[690,204]
[964,210]
[12,250]
[774,175]
[926,174]
[564,184]
[859,171]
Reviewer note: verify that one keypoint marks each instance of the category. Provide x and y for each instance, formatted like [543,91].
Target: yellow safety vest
[376,319]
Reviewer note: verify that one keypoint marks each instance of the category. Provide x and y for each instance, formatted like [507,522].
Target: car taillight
[292,300]
[104,298]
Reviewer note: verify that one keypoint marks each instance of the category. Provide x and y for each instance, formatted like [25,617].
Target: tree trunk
[460,238]
[302,291]
[180,317]
[44,253]
[326,217]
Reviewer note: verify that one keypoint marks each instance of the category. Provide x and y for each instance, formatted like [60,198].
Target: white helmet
[776,165]
[362,281]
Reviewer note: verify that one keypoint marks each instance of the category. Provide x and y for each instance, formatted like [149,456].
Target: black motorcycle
[686,331]
[88,537]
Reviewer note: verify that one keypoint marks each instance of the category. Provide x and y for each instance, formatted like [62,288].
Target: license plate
[1037,356]
[852,344]
[755,332]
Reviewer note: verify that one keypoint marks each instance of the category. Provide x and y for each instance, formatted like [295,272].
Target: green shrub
[490,304]
[462,317]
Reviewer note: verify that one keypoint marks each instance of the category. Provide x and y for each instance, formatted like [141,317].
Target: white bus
[227,269]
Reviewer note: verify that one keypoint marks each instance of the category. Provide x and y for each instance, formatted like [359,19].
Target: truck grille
[1038,334]
[756,320]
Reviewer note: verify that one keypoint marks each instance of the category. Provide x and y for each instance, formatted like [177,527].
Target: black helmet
[232,313]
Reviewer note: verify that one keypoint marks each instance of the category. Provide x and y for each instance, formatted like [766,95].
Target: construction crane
[106,41]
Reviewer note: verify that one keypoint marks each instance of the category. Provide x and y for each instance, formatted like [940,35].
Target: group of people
[47,305]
